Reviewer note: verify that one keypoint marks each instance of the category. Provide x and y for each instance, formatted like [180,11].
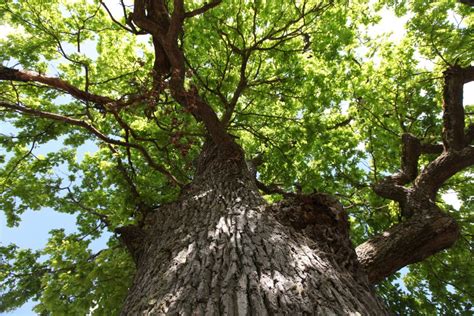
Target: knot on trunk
[321,218]
[320,209]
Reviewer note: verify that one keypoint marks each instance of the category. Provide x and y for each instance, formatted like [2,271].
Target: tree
[242,149]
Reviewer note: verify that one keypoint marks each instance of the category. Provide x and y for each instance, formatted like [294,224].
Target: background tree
[198,110]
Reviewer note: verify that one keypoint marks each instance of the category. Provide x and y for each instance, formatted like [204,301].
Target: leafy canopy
[318,96]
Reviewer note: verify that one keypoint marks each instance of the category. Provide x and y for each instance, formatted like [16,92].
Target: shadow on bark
[222,250]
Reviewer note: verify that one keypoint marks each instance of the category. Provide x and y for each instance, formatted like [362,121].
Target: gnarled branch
[425,230]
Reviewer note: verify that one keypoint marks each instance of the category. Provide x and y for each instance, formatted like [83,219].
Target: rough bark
[421,236]
[221,250]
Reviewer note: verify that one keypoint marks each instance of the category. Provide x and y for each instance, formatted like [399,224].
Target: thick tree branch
[56,83]
[390,190]
[457,153]
[108,104]
[416,239]
[442,168]
[431,148]
[392,187]
[425,230]
[453,111]
[176,23]
[165,28]
[140,18]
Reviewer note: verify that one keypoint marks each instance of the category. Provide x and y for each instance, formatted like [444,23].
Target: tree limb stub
[425,230]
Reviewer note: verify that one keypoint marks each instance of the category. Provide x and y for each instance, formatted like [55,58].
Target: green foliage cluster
[325,108]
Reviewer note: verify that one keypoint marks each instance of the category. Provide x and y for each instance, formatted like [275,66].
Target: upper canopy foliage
[311,88]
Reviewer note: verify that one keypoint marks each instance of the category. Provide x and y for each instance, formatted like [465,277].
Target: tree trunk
[221,250]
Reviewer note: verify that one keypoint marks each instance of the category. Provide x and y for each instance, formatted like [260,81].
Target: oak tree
[247,157]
